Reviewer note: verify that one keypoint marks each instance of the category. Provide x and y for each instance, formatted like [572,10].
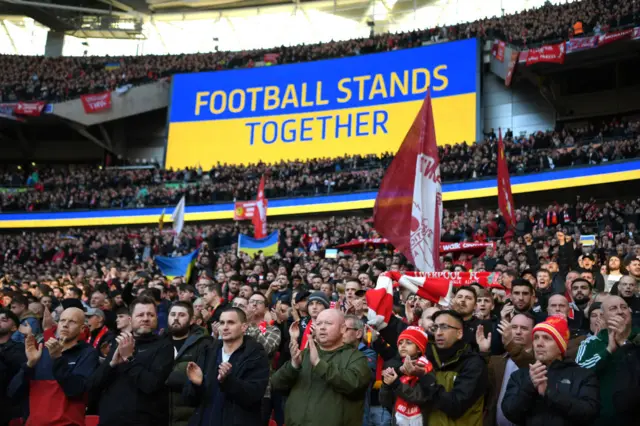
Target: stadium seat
[91,420]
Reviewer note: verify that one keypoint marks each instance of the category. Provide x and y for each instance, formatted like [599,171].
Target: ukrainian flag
[110,66]
[181,266]
[252,246]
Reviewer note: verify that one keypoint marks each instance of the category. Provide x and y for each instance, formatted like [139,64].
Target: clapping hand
[296,354]
[33,350]
[484,343]
[194,373]
[223,371]
[314,357]
[54,346]
[538,375]
[504,328]
[294,330]
[389,376]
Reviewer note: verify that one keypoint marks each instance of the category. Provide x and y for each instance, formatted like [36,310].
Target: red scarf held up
[99,337]
[305,335]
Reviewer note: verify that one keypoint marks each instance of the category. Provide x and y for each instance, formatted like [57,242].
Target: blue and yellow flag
[110,66]
[181,266]
[251,246]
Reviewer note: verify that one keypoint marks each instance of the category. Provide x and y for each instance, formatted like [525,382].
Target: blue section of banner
[245,241]
[359,81]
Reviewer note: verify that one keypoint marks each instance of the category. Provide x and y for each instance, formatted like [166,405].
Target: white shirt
[501,420]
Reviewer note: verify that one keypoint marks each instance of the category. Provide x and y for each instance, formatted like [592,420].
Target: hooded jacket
[193,348]
[134,392]
[331,393]
[571,398]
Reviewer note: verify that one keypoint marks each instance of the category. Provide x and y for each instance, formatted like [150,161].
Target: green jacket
[198,340]
[593,354]
[331,393]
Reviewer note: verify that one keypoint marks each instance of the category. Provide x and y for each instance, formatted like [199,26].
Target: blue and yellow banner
[558,179]
[181,266]
[357,105]
[253,246]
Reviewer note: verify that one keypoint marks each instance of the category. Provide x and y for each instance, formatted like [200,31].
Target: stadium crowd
[92,327]
[58,79]
[84,187]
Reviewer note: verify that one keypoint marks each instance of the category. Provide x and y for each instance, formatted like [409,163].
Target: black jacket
[572,397]
[192,349]
[134,393]
[12,357]
[243,388]
[626,397]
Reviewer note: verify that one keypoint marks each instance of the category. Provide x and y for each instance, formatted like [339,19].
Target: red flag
[259,219]
[408,209]
[505,196]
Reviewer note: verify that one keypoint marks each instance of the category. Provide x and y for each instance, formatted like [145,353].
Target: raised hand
[313,352]
[223,371]
[126,345]
[54,346]
[32,350]
[504,328]
[194,373]
[484,343]
[296,354]
[294,330]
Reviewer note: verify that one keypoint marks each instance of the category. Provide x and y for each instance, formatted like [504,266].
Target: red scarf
[305,335]
[408,414]
[552,218]
[99,336]
[263,327]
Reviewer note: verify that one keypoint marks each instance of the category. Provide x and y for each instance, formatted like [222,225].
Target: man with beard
[132,379]
[464,303]
[54,378]
[581,294]
[189,342]
[628,290]
[12,357]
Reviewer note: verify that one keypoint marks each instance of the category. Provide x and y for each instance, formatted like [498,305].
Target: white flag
[178,217]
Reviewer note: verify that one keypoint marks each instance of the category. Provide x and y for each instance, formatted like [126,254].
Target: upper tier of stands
[58,79]
[83,187]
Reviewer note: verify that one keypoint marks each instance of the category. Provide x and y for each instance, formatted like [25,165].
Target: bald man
[605,350]
[54,377]
[327,382]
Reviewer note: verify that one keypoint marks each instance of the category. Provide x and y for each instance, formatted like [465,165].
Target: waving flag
[253,246]
[505,197]
[178,217]
[259,219]
[180,266]
[408,208]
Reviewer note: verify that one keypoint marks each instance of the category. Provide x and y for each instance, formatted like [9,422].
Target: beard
[178,331]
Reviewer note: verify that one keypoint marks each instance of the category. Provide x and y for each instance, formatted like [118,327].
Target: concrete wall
[137,100]
[520,108]
[54,45]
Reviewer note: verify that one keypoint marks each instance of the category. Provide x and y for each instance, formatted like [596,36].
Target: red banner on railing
[615,36]
[513,62]
[553,53]
[96,103]
[31,109]
[497,50]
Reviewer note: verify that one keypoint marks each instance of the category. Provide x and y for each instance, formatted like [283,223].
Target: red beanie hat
[417,336]
[558,328]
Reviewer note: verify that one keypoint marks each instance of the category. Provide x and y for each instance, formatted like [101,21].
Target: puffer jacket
[331,393]
[572,397]
[191,350]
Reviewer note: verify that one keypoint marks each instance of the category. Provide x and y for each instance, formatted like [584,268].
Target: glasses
[353,328]
[239,305]
[442,327]
[256,302]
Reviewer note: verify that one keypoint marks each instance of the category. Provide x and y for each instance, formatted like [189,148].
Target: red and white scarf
[408,414]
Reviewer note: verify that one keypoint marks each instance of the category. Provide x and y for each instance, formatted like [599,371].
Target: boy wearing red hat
[552,390]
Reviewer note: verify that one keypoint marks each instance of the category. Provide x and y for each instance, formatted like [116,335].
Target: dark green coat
[195,345]
[331,393]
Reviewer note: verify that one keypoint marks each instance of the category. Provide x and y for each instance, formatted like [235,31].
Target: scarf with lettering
[407,413]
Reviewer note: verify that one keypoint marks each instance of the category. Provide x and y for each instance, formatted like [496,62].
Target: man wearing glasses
[456,387]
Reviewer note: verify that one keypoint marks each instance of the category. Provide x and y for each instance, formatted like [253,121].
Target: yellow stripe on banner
[324,207]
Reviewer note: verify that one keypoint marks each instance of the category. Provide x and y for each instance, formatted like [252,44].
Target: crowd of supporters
[47,188]
[58,79]
[227,344]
